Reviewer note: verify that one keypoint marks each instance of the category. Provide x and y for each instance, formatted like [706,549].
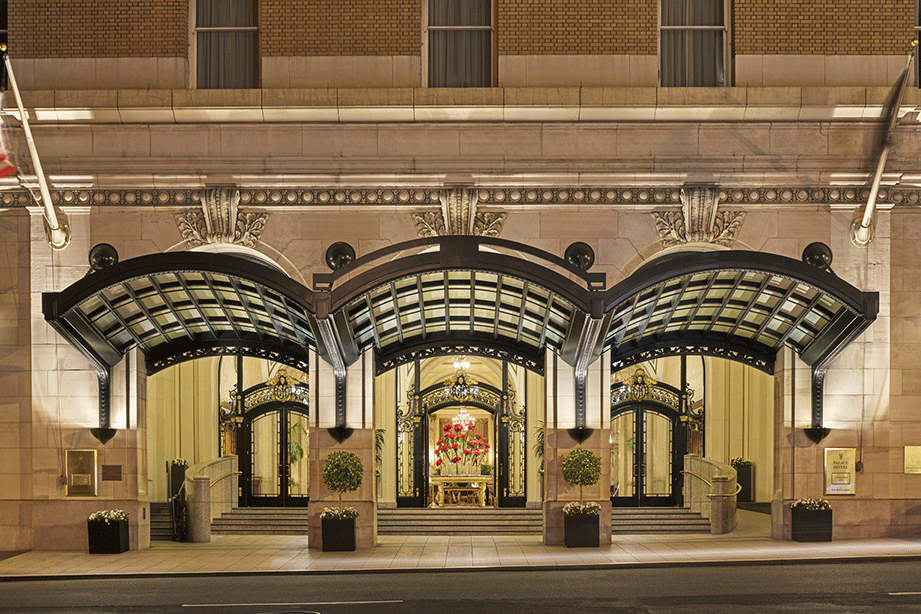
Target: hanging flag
[6,167]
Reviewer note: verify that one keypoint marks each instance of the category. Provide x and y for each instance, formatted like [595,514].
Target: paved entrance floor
[248,554]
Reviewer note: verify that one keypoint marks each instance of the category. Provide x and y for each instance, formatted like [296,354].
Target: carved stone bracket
[458,216]
[220,221]
[699,220]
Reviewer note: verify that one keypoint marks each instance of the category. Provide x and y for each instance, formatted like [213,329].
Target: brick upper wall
[159,28]
[98,28]
[823,27]
[577,27]
[341,27]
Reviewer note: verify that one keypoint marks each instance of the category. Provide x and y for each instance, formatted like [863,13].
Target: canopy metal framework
[445,295]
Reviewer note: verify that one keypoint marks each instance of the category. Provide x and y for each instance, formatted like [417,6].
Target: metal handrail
[705,480]
[223,477]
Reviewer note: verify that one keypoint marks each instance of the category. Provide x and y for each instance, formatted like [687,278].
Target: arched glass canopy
[462,294]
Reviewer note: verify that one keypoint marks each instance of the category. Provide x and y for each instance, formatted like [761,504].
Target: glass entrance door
[643,468]
[273,447]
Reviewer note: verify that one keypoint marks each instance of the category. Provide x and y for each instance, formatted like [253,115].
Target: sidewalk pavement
[271,554]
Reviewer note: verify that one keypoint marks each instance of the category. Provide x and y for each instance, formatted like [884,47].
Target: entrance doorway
[648,440]
[475,400]
[645,470]
[273,462]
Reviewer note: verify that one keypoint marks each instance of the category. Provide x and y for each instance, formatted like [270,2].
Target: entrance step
[262,520]
[639,520]
[459,521]
[161,527]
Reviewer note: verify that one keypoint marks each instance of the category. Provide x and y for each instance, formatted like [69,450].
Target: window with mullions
[693,35]
[460,40]
[226,39]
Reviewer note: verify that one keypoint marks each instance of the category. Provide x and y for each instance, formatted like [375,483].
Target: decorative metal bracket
[104,433]
[335,357]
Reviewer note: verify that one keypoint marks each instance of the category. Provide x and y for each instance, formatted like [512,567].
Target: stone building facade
[340,138]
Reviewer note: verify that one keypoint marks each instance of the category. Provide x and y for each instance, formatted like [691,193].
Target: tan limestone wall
[16,384]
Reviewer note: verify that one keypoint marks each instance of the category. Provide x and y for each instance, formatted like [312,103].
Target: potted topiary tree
[342,473]
[581,468]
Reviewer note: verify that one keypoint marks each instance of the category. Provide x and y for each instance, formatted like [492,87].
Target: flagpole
[862,231]
[58,233]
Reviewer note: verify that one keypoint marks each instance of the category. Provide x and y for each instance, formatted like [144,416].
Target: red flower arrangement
[459,444]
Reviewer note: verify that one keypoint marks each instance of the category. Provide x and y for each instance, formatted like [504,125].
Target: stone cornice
[511,104]
[505,197]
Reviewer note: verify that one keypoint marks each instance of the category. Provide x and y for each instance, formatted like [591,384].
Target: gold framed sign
[840,473]
[81,473]
[912,459]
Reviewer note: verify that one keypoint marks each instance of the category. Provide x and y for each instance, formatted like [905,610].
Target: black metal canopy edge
[178,262]
[679,264]
[753,355]
[163,356]
[519,354]
[463,253]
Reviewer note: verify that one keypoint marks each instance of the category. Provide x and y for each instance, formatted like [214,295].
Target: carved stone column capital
[220,221]
[458,216]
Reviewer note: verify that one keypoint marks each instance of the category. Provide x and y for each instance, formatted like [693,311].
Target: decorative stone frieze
[699,220]
[458,216]
[601,195]
[220,221]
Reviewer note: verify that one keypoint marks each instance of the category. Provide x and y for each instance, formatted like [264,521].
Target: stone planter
[176,479]
[745,478]
[107,538]
[581,531]
[812,525]
[338,534]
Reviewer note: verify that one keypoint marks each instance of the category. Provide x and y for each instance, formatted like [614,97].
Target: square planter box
[338,535]
[176,479]
[581,531]
[812,525]
[109,538]
[745,478]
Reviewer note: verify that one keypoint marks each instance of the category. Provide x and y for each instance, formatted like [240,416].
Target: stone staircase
[453,521]
[642,520]
[161,527]
[262,520]
[459,521]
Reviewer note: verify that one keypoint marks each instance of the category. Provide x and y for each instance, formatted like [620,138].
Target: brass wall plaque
[840,475]
[81,473]
[912,459]
[111,473]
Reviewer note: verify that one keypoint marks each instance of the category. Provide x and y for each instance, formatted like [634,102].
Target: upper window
[460,42]
[226,41]
[693,43]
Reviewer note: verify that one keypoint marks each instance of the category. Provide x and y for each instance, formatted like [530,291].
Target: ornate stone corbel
[699,220]
[220,221]
[458,216]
